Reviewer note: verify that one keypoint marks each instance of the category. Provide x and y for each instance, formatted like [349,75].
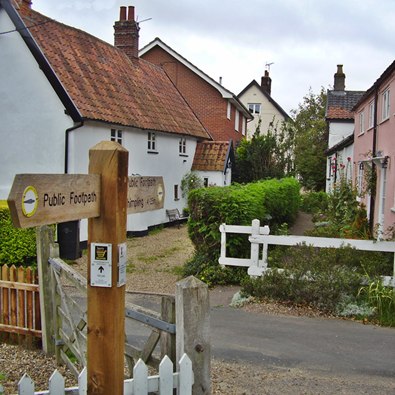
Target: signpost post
[101,196]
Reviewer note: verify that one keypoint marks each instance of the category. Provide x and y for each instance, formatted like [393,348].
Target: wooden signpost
[105,196]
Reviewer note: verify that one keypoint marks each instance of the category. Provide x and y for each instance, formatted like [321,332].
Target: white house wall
[338,131]
[33,123]
[268,111]
[215,178]
[167,163]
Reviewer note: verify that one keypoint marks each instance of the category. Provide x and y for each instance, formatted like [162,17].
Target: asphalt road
[322,344]
[328,345]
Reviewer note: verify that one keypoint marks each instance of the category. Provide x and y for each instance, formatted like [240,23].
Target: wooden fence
[164,383]
[257,263]
[20,320]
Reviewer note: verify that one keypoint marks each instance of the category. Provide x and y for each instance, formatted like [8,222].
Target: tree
[265,156]
[311,140]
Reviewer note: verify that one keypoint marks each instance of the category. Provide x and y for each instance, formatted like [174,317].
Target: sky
[302,40]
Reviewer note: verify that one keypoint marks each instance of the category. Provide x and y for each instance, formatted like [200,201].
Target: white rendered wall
[215,178]
[338,131]
[268,111]
[166,162]
[32,119]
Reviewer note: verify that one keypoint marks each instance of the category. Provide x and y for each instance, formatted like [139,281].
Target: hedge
[276,201]
[17,246]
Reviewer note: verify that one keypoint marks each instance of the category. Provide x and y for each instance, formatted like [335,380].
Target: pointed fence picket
[140,384]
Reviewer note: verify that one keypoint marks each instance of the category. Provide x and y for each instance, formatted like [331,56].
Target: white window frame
[386,105]
[362,122]
[371,115]
[254,108]
[237,120]
[151,142]
[182,146]
[229,110]
[243,126]
[116,135]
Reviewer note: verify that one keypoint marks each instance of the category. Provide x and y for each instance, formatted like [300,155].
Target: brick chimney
[266,83]
[340,79]
[126,32]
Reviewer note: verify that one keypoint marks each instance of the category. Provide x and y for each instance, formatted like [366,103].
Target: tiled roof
[340,104]
[105,85]
[211,156]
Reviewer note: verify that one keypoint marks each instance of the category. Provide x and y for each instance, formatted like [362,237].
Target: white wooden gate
[140,384]
[260,235]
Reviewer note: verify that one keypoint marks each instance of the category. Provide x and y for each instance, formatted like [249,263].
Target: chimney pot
[122,14]
[130,13]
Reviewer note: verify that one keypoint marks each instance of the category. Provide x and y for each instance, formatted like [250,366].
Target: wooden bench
[174,216]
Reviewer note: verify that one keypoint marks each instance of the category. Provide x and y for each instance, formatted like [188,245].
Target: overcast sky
[304,39]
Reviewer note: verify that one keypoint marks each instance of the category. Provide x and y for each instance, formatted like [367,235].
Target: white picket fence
[140,384]
[260,235]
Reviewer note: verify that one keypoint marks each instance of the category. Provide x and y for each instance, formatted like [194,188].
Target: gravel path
[153,266]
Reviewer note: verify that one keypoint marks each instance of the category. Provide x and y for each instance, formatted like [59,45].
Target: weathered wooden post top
[105,196]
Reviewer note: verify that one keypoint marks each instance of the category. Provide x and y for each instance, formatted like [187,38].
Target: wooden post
[168,340]
[106,305]
[44,240]
[193,330]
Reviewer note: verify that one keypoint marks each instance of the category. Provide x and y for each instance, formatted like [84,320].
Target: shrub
[382,299]
[234,205]
[314,202]
[313,276]
[17,246]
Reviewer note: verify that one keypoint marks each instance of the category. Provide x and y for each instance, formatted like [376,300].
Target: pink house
[374,152]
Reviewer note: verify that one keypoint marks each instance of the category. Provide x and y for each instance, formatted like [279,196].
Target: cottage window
[243,126]
[116,135]
[371,115]
[205,182]
[151,141]
[228,110]
[361,122]
[176,193]
[254,108]
[386,105]
[182,146]
[237,120]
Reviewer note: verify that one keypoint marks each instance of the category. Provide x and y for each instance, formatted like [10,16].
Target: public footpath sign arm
[44,199]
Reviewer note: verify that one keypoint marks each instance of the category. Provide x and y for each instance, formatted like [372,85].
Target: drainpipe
[66,145]
[374,147]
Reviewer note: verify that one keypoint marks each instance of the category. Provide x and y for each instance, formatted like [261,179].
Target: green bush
[17,246]
[309,276]
[235,205]
[314,202]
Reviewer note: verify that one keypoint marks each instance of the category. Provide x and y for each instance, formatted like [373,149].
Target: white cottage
[63,90]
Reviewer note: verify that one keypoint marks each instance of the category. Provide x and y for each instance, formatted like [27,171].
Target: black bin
[69,240]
